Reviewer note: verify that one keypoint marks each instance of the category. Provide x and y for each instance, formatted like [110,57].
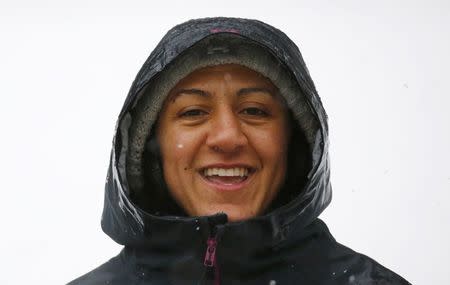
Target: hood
[129,224]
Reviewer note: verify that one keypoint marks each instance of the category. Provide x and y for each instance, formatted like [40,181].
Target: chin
[234,213]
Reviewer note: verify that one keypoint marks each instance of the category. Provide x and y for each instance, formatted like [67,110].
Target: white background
[381,68]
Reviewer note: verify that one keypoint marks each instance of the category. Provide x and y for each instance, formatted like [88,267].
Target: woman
[220,168]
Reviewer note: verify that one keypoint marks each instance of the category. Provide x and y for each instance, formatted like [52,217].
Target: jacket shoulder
[362,269]
[104,274]
[340,264]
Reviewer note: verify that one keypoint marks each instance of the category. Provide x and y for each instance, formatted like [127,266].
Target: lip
[228,187]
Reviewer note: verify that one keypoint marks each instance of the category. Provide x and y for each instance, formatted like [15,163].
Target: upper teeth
[237,171]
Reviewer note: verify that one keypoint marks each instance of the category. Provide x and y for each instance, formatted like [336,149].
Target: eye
[253,111]
[193,113]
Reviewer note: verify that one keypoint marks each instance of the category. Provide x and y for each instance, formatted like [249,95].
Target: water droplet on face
[197,228]
[334,273]
[179,145]
[273,282]
[227,76]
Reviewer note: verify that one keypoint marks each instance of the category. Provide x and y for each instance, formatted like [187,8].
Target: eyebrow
[202,93]
[191,91]
[245,91]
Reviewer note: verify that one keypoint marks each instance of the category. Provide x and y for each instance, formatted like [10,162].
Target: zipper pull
[210,256]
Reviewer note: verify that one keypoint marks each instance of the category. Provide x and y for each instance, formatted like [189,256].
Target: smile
[224,172]
[226,179]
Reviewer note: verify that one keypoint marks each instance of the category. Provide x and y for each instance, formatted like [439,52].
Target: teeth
[237,171]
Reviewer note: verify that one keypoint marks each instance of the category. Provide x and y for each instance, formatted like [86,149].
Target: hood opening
[144,168]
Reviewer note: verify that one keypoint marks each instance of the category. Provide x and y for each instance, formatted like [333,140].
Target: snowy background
[381,67]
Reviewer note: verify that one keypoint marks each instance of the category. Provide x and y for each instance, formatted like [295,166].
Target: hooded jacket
[286,245]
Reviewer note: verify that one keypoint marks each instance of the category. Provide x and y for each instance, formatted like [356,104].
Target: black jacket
[288,245]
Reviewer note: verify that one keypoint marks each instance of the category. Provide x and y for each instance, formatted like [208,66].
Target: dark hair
[298,166]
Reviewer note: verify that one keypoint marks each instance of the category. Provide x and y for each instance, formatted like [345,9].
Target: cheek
[177,147]
[271,143]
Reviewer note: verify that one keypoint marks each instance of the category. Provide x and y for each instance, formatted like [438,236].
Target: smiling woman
[233,127]
[220,168]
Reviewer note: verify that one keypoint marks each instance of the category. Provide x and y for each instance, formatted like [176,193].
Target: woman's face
[223,134]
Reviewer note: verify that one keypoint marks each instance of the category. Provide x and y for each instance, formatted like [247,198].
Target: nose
[225,133]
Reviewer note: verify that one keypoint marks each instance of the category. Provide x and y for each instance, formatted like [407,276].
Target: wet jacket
[287,245]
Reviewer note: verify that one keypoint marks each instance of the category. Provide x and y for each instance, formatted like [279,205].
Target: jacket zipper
[210,259]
